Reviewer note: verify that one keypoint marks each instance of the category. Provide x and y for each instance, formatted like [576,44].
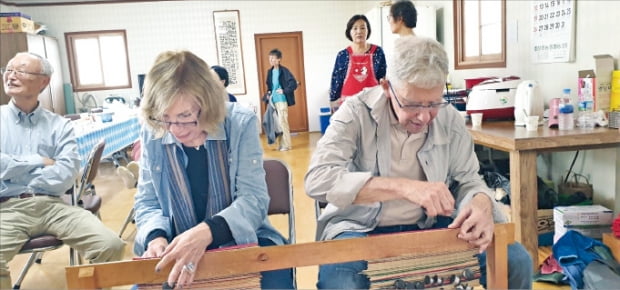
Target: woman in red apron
[359,66]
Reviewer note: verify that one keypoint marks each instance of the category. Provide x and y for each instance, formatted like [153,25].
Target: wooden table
[523,146]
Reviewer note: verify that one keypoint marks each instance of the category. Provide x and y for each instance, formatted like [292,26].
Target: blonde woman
[202,183]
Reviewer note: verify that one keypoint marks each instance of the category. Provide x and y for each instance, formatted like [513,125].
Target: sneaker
[128,178]
[285,149]
[134,167]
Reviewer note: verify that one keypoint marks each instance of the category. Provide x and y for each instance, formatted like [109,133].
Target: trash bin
[324,116]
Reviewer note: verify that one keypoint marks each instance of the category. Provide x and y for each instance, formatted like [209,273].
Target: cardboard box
[582,215]
[613,243]
[15,14]
[13,24]
[592,231]
[604,67]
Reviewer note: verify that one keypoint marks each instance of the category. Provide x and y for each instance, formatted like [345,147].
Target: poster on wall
[553,31]
[229,49]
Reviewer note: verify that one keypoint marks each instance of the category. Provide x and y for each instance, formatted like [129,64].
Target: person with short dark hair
[222,73]
[403,17]
[360,65]
[39,162]
[281,85]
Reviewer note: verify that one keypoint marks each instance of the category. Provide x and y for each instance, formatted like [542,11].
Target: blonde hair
[418,61]
[177,72]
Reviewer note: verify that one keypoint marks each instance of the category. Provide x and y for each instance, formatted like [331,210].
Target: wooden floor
[117,201]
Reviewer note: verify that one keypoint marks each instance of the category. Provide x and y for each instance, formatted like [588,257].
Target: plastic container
[324,116]
[566,120]
[585,119]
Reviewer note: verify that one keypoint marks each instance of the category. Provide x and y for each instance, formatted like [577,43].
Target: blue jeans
[276,279]
[349,276]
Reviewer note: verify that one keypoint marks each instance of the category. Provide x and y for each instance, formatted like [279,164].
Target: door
[291,45]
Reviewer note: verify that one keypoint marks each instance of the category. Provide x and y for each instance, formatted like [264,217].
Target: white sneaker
[128,178]
[285,149]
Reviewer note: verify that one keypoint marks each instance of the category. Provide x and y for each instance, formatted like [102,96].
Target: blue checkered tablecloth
[117,135]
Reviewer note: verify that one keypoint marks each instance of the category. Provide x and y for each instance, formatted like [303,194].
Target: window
[479,33]
[98,60]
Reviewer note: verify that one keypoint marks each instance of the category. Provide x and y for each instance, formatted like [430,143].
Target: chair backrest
[318,208]
[280,188]
[90,169]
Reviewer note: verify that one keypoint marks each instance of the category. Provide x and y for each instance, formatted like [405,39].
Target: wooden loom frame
[257,259]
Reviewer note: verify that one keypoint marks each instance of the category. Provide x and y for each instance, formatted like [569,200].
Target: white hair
[418,61]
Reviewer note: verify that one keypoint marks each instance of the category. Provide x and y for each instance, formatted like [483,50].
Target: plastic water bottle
[585,119]
[566,120]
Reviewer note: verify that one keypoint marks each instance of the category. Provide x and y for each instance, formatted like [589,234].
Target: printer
[495,98]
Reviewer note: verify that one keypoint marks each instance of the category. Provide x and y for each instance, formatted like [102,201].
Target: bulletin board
[553,31]
[229,48]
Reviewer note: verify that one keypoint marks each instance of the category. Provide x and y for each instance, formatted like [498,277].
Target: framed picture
[229,48]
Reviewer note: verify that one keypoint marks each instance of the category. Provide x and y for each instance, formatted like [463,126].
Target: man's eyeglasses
[19,73]
[181,124]
[417,107]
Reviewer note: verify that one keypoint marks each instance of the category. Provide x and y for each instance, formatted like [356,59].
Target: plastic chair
[280,188]
[84,197]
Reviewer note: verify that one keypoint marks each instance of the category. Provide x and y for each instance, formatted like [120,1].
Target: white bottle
[585,119]
[565,112]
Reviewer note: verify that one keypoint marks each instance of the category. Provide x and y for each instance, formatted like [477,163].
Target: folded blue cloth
[574,252]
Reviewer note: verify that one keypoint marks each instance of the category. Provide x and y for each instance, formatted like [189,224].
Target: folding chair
[280,188]
[84,197]
[318,208]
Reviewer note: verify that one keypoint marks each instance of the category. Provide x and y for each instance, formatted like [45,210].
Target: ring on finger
[189,267]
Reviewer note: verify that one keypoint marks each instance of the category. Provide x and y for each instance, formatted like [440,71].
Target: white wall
[157,26]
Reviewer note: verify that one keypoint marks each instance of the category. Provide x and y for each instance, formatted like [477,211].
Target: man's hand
[185,252]
[434,197]
[48,161]
[475,221]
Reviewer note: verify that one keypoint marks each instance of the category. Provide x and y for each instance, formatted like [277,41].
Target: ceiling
[24,3]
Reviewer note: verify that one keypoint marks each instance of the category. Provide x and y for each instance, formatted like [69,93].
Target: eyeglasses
[182,124]
[19,73]
[414,108]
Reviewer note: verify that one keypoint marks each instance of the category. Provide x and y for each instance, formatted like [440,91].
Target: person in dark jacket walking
[281,85]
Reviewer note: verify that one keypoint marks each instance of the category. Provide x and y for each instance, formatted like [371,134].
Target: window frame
[71,37]
[497,60]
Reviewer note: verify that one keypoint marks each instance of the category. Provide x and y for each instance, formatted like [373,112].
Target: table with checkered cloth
[118,134]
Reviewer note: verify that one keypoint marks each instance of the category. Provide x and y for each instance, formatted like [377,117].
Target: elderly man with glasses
[397,158]
[39,162]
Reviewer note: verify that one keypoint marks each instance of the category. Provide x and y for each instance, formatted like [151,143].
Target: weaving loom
[230,264]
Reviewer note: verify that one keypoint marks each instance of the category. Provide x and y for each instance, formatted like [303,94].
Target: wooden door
[291,45]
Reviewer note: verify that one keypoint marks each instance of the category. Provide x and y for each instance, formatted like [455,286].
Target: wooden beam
[215,264]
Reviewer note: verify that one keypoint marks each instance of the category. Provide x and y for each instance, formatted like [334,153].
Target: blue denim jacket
[246,216]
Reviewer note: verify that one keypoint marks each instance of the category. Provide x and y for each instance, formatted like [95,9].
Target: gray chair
[318,208]
[84,197]
[280,188]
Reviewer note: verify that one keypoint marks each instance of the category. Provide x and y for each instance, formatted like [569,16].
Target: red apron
[360,73]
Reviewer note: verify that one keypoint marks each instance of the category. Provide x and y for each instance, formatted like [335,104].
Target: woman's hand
[185,252]
[476,222]
[155,248]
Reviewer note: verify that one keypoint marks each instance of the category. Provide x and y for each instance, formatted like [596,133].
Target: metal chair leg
[128,219]
[31,261]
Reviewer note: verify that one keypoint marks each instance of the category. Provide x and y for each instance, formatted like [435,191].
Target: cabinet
[52,98]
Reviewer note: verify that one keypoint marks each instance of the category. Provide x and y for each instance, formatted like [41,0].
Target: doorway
[291,45]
